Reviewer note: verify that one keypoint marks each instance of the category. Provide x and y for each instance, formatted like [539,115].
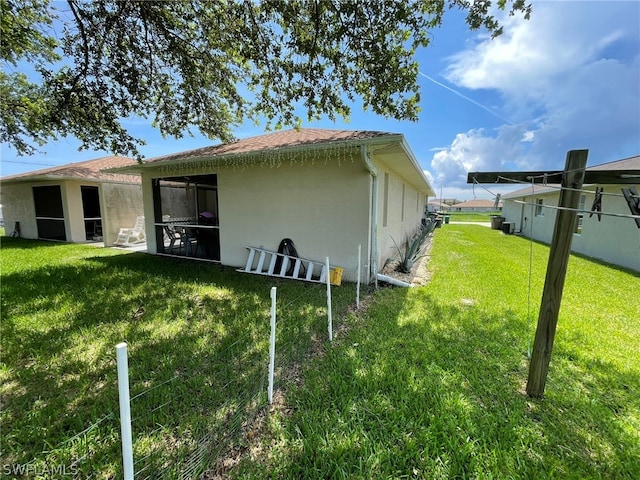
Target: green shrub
[413,247]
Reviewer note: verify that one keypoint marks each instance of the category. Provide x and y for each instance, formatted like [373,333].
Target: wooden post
[572,177]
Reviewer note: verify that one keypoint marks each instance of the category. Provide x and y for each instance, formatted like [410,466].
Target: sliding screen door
[91,213]
[49,212]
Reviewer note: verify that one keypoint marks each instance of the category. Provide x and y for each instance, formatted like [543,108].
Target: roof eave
[61,178]
[414,162]
[355,142]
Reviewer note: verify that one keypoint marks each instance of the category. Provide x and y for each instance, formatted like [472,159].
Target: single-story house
[329,191]
[476,205]
[437,206]
[613,239]
[76,202]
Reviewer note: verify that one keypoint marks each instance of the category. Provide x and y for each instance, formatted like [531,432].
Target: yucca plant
[413,247]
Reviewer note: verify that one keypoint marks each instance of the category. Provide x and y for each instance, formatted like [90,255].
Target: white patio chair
[130,236]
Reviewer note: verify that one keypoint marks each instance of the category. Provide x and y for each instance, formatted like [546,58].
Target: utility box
[508,227]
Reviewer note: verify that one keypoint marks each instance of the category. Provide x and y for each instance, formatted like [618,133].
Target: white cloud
[475,150]
[569,77]
[427,173]
[531,54]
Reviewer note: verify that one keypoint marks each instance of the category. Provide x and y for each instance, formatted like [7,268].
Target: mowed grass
[198,337]
[430,382]
[471,216]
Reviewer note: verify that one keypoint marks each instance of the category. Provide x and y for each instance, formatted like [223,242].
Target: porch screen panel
[91,212]
[49,212]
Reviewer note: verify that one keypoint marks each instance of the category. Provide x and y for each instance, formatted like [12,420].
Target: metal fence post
[272,348]
[329,301]
[358,284]
[125,410]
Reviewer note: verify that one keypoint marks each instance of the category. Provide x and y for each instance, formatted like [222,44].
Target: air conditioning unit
[508,227]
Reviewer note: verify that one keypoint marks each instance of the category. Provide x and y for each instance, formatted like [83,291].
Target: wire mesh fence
[76,457]
[191,418]
[181,426]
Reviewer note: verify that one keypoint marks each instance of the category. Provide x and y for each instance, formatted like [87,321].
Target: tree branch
[85,47]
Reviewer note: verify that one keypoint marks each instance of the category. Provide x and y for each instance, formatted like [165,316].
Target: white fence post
[272,349]
[358,284]
[125,410]
[329,302]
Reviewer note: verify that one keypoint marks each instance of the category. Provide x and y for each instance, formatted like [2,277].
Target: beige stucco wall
[404,211]
[323,207]
[119,204]
[18,206]
[613,239]
[74,216]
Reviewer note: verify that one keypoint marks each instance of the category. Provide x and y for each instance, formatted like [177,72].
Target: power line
[30,163]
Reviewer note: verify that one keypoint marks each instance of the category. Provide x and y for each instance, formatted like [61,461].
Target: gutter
[371,168]
[393,281]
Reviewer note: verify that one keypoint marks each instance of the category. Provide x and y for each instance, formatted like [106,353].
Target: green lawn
[471,216]
[198,354]
[428,383]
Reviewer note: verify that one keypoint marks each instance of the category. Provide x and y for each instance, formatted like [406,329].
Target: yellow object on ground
[335,276]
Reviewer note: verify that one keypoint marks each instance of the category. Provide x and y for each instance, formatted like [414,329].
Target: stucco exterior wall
[119,205]
[18,206]
[323,207]
[74,216]
[615,240]
[402,214]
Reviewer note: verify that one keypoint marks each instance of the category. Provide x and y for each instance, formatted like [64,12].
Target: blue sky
[569,78]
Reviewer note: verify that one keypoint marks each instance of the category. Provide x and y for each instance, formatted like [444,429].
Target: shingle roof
[631,163]
[537,190]
[87,170]
[274,141]
[476,203]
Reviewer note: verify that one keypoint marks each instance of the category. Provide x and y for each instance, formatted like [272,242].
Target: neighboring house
[478,205]
[76,202]
[327,190]
[613,239]
[437,206]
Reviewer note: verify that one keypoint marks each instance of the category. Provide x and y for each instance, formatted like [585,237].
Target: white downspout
[374,213]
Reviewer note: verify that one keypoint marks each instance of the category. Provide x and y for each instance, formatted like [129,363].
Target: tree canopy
[79,68]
